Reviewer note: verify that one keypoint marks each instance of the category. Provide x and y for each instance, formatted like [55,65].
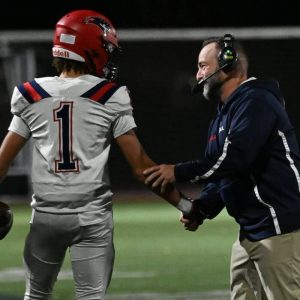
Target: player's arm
[139,161]
[10,147]
[134,154]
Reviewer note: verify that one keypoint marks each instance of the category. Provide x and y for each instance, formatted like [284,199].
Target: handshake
[161,179]
[192,214]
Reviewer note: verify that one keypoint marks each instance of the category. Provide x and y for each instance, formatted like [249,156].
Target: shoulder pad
[32,91]
[26,94]
[120,101]
[102,91]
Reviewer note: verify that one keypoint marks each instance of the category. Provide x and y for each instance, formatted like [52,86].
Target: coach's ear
[6,219]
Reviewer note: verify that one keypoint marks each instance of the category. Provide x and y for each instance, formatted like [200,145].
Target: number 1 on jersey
[64,116]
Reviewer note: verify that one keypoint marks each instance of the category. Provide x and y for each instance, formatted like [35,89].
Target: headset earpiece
[228,55]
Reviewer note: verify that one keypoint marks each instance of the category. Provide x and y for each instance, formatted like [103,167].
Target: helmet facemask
[110,45]
[111,69]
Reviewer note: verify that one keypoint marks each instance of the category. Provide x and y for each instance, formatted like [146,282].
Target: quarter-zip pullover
[251,164]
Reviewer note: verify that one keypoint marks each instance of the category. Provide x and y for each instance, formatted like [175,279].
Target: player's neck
[70,74]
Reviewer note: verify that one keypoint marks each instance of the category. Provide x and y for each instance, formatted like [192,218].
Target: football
[6,219]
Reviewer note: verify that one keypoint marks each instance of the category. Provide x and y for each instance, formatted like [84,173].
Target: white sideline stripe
[17,274]
[211,295]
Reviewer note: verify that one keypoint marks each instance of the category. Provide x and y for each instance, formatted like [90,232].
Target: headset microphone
[226,58]
[197,86]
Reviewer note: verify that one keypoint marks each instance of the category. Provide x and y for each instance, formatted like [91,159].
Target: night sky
[153,13]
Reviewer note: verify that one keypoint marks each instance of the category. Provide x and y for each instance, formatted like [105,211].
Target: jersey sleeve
[120,101]
[18,102]
[18,126]
[120,104]
[123,124]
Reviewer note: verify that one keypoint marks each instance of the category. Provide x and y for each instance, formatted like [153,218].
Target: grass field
[154,254]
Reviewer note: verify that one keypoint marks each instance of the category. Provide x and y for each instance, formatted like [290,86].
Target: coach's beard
[212,88]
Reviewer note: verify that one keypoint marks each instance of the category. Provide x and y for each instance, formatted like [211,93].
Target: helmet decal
[104,26]
[67,38]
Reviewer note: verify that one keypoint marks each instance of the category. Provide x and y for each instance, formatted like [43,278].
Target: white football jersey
[71,121]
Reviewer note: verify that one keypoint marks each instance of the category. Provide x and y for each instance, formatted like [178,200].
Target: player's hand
[194,218]
[160,176]
[190,225]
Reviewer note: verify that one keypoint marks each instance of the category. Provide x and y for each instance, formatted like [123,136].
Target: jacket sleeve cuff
[183,173]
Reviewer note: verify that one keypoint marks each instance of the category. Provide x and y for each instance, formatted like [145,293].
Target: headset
[226,57]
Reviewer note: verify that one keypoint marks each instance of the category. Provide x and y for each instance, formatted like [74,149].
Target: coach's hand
[195,217]
[160,176]
[190,225]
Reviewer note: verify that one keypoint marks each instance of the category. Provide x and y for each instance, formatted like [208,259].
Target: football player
[72,119]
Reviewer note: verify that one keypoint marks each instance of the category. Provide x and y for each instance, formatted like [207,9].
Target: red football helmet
[87,36]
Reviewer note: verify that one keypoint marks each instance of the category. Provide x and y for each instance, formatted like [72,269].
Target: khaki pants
[266,269]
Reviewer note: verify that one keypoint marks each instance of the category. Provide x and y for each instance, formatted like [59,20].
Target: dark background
[172,123]
[153,13]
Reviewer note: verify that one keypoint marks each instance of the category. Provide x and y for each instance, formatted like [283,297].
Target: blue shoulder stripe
[25,94]
[93,90]
[109,93]
[39,89]
[102,91]
[32,91]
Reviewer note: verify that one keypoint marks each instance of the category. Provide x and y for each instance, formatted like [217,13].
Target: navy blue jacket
[252,163]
